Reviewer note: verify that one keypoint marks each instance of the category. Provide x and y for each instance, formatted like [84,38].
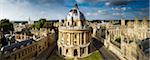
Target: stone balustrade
[68,46]
[74,28]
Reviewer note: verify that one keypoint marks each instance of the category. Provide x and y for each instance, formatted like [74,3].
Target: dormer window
[74,11]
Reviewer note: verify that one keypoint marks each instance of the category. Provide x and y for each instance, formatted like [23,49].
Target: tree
[3,40]
[48,25]
[40,23]
[136,20]
[6,25]
[110,21]
[144,21]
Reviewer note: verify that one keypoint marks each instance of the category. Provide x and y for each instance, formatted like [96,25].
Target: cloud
[102,12]
[23,9]
[82,1]
[119,9]
[58,9]
[117,14]
[118,2]
[107,3]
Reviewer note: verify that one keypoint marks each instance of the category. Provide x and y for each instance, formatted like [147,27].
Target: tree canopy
[40,23]
[6,25]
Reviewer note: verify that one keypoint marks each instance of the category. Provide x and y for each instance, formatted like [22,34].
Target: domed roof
[75,14]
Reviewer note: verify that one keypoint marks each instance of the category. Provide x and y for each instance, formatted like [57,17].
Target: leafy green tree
[40,23]
[3,41]
[6,25]
[136,18]
[103,27]
[110,21]
[48,25]
[144,20]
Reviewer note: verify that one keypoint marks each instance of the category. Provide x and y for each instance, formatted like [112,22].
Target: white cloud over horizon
[16,10]
[57,9]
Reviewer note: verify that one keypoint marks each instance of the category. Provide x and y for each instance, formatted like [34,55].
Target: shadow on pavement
[97,43]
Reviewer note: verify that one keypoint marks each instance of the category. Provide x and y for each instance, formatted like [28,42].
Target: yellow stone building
[74,35]
[28,49]
[122,39]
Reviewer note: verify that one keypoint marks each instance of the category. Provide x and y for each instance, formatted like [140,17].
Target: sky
[22,10]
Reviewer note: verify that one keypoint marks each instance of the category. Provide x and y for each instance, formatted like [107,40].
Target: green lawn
[94,56]
[54,56]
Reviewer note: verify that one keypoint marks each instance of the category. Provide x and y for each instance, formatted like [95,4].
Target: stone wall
[29,51]
[73,43]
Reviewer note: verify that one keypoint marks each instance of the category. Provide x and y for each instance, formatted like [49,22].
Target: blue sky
[58,9]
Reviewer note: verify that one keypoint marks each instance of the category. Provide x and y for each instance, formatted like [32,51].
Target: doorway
[75,52]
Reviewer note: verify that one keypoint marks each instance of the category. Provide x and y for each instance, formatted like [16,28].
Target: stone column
[72,52]
[78,50]
[86,50]
[60,36]
[73,38]
[70,39]
[24,36]
[64,51]
[78,38]
[85,38]
[69,52]
[21,37]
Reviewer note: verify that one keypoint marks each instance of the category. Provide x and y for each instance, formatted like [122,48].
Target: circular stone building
[74,35]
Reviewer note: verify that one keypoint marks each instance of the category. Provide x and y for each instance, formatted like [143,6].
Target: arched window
[82,41]
[75,36]
[89,49]
[75,24]
[68,23]
[60,50]
[82,38]
[66,51]
[75,52]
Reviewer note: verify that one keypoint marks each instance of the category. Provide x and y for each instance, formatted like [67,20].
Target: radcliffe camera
[74,30]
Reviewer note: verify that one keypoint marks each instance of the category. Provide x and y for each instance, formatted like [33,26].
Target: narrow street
[106,54]
[46,53]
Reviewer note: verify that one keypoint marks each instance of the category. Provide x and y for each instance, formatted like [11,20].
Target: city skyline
[76,37]
[57,9]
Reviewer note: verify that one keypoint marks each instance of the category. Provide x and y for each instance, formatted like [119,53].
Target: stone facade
[18,27]
[74,35]
[21,37]
[28,48]
[25,52]
[122,39]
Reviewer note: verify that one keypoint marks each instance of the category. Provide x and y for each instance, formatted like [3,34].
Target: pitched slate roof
[9,48]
